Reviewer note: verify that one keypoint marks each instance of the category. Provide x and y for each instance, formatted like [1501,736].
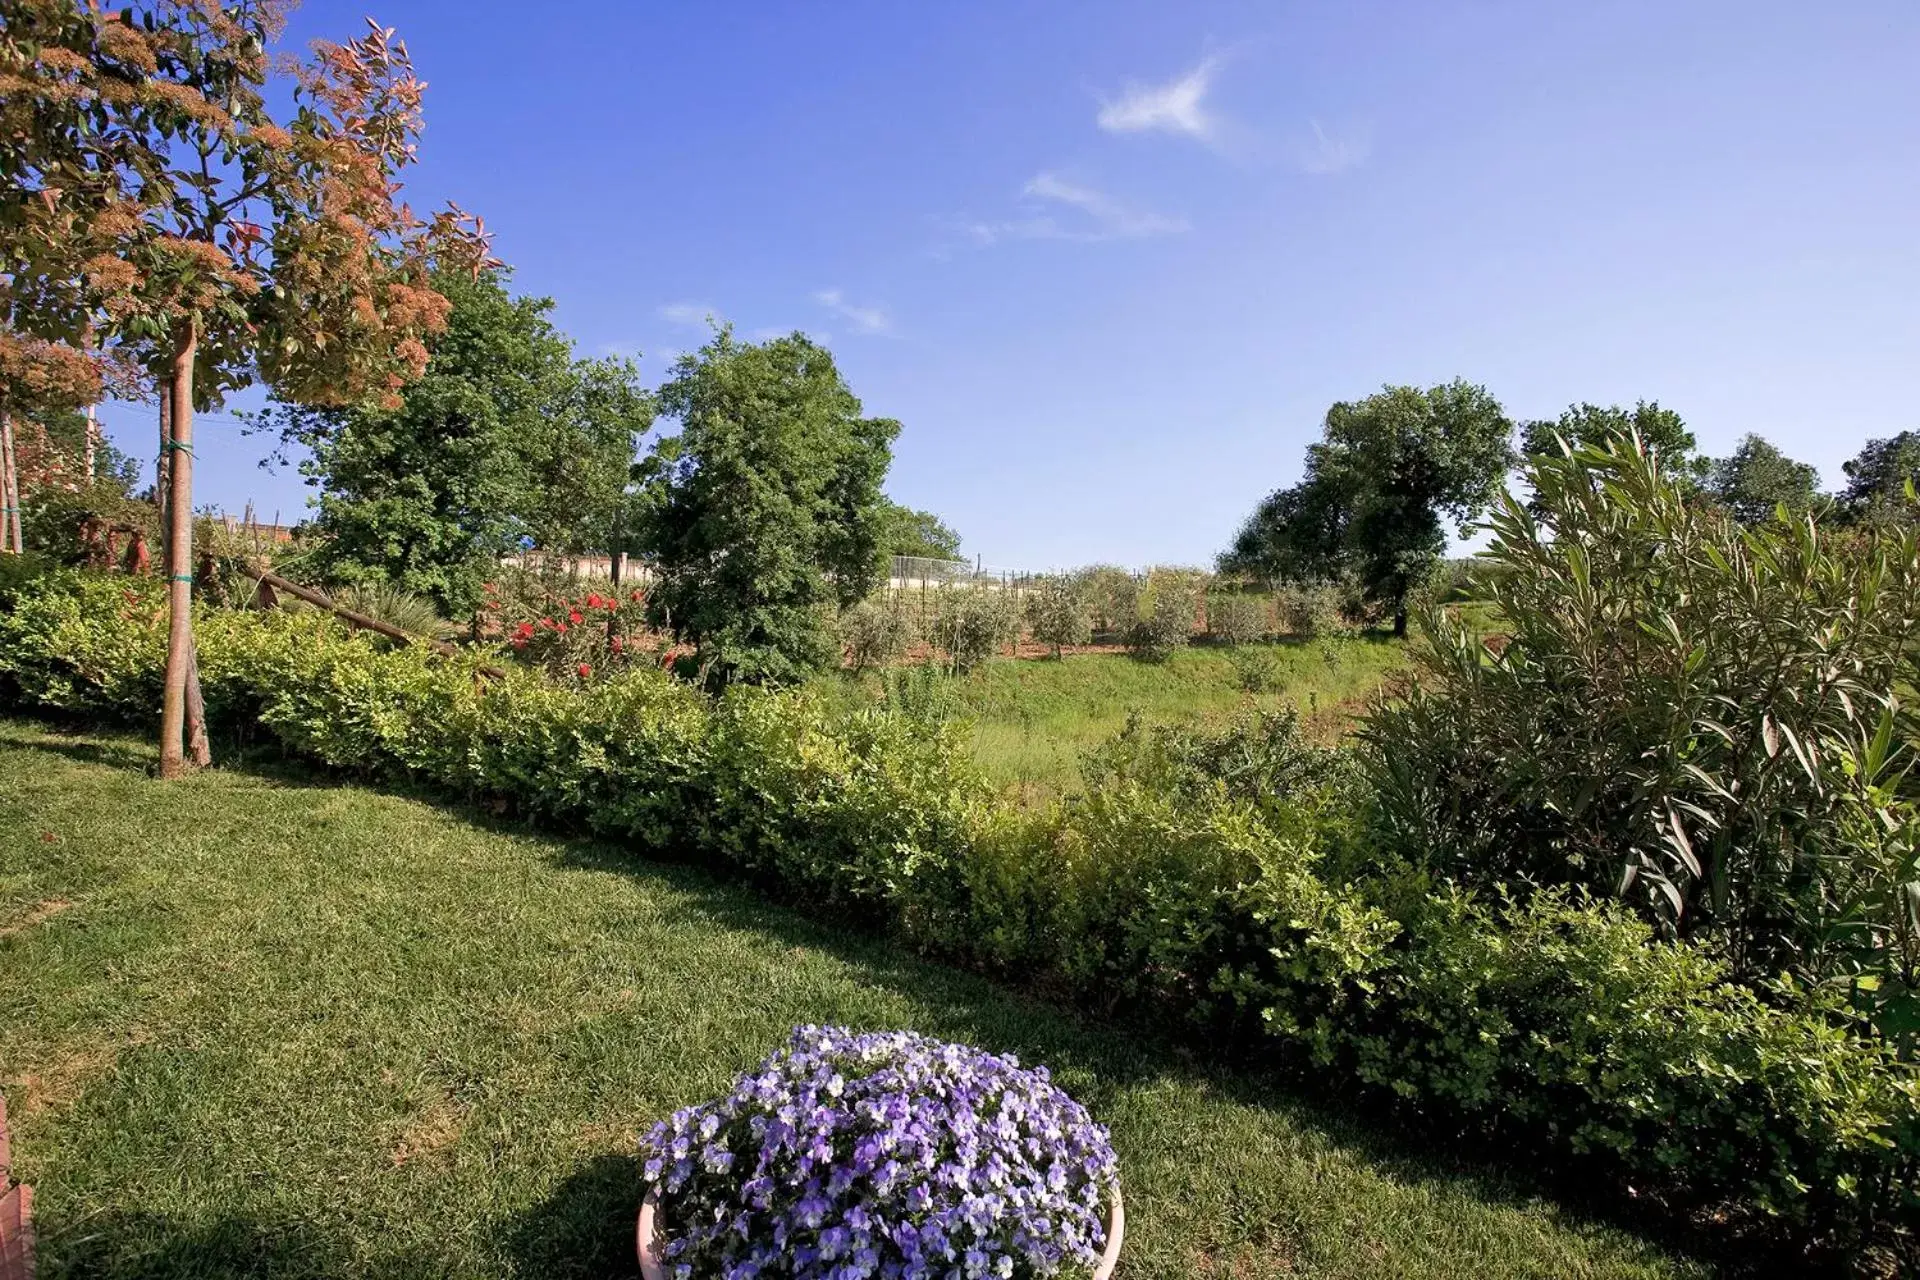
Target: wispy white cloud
[694,315]
[1333,152]
[1178,106]
[867,320]
[1068,210]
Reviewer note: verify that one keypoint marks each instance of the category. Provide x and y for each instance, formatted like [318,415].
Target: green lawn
[1035,718]
[256,1023]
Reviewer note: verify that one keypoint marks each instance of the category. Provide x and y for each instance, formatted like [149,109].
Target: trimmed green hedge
[1172,884]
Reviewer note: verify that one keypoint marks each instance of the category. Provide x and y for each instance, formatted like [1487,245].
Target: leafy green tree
[762,516]
[1756,478]
[1387,471]
[1663,431]
[1877,478]
[506,436]
[910,532]
[154,205]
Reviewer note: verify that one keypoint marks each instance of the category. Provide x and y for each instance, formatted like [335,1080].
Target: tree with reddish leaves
[152,204]
[36,377]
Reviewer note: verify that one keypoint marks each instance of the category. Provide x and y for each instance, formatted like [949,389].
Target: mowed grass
[259,1024]
[1034,719]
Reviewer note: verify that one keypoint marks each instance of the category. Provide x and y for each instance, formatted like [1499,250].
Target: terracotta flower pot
[647,1238]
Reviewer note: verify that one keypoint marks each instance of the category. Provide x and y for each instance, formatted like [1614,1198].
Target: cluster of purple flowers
[884,1155]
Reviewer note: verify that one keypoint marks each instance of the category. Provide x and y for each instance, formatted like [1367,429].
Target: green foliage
[1218,876]
[1236,618]
[1164,620]
[1256,670]
[507,435]
[763,516]
[971,624]
[1662,431]
[1058,613]
[910,532]
[396,607]
[55,521]
[1377,486]
[921,692]
[875,633]
[1111,594]
[1757,478]
[1878,477]
[1686,712]
[1312,609]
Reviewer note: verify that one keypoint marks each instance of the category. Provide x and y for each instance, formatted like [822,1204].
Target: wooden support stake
[320,599]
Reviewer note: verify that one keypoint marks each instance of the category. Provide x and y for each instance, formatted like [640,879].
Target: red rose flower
[575,618]
[635,597]
[618,644]
[548,622]
[585,670]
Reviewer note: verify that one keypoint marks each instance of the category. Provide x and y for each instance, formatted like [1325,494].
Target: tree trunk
[178,461]
[9,490]
[199,749]
[1400,624]
[92,447]
[160,464]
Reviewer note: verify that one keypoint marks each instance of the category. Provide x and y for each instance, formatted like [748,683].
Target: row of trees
[1392,469]
[166,232]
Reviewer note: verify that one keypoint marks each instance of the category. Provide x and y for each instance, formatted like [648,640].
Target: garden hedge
[1560,1022]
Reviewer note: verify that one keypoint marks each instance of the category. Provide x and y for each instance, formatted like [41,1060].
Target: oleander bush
[1702,718]
[1231,877]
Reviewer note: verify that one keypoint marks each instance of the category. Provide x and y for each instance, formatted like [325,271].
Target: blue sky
[1109,262]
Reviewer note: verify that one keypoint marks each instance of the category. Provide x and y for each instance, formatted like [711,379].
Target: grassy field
[256,1023]
[1033,719]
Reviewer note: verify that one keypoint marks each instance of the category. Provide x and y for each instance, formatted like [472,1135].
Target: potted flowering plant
[887,1154]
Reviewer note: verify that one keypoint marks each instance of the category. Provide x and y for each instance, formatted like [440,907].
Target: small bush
[1112,596]
[1311,610]
[1236,619]
[973,623]
[1257,670]
[383,602]
[1057,613]
[1164,621]
[875,633]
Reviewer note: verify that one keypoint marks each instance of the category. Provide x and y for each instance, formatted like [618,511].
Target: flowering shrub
[566,633]
[846,1156]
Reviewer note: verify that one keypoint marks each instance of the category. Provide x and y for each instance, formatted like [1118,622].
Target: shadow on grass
[157,1246]
[584,1227]
[73,742]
